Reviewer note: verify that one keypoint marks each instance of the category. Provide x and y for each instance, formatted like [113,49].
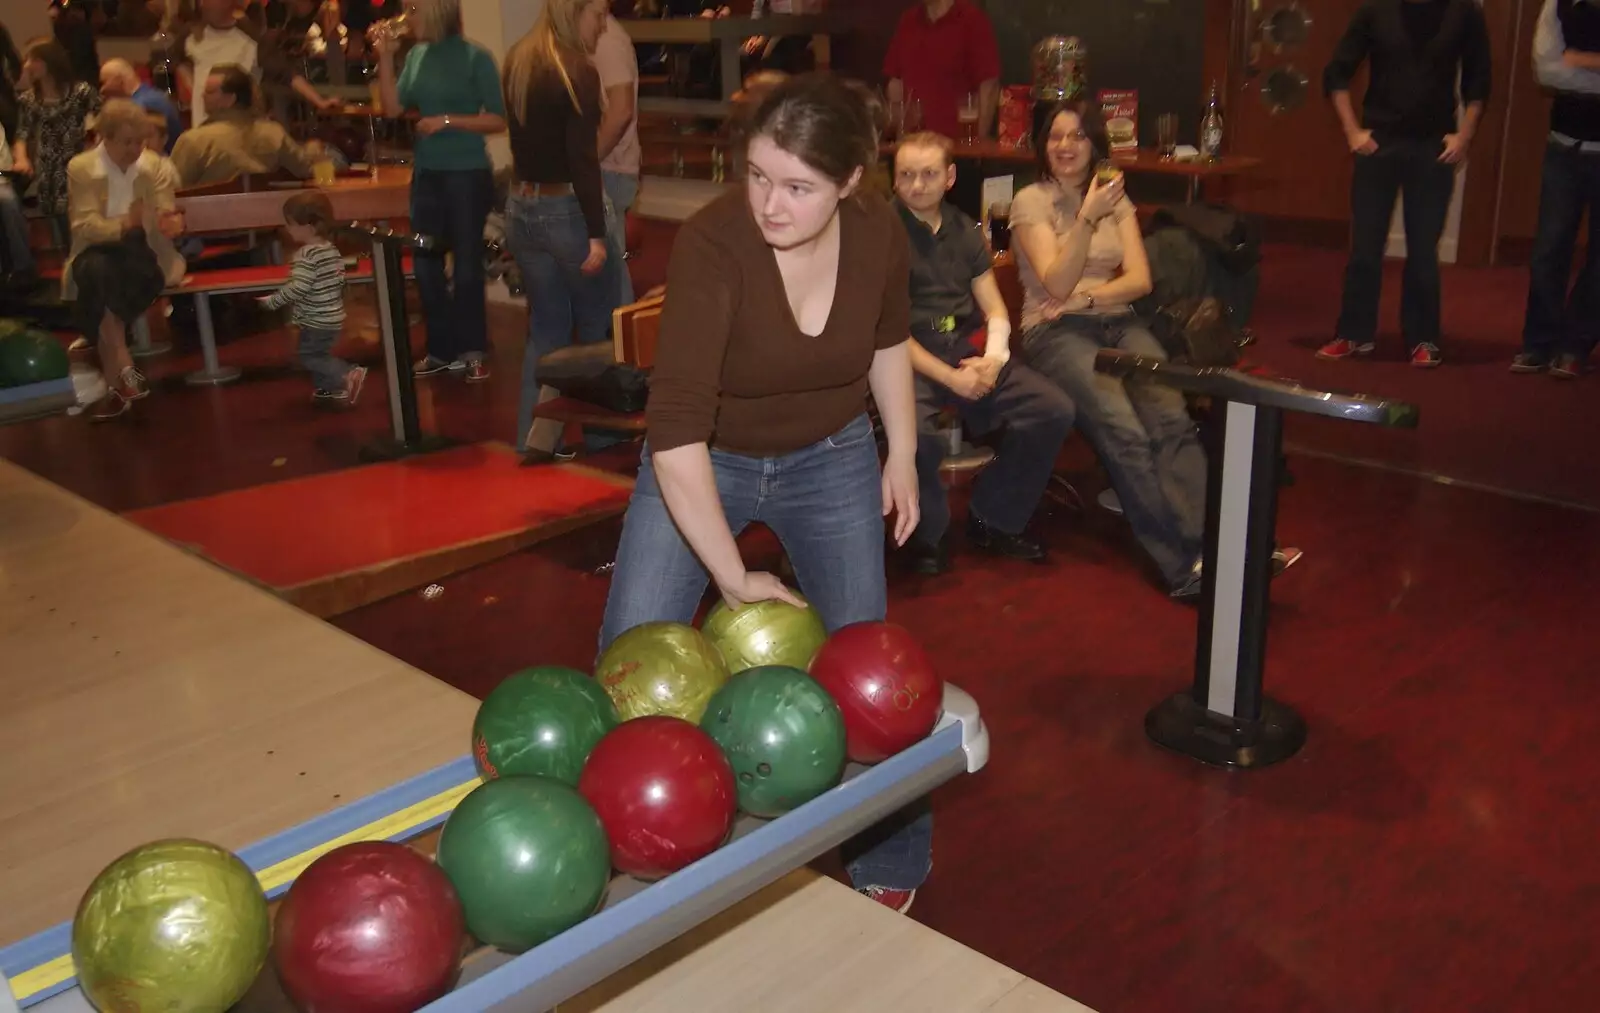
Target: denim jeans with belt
[550,241]
[1557,323]
[1141,432]
[825,504]
[452,206]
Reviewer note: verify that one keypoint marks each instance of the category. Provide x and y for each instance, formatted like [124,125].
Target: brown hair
[1090,120]
[931,139]
[822,121]
[56,63]
[310,207]
[236,81]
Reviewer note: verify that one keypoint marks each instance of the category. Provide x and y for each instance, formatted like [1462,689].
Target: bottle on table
[1211,127]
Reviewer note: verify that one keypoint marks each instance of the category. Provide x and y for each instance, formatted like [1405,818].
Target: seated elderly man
[118,79]
[121,203]
[236,139]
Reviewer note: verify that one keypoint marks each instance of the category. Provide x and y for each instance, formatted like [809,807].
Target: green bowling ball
[179,926]
[31,356]
[782,733]
[529,859]
[541,722]
[764,633]
[661,668]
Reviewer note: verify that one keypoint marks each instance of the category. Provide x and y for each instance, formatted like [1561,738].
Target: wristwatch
[447,120]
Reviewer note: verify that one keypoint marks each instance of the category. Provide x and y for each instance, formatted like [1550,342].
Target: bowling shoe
[1001,543]
[895,900]
[927,560]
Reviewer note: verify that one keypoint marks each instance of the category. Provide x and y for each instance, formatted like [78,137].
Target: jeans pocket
[855,432]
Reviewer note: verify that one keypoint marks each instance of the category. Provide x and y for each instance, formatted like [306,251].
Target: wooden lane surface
[355,198]
[145,693]
[807,943]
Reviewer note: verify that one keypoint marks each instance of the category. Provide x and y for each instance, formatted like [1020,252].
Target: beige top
[89,199]
[1050,203]
[616,63]
[233,144]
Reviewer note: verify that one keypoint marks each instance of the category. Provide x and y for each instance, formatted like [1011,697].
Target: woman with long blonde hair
[556,210]
[455,87]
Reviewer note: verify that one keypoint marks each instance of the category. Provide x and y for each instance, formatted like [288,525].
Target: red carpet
[1480,423]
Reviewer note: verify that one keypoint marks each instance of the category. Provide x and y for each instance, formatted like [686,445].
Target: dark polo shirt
[944,265]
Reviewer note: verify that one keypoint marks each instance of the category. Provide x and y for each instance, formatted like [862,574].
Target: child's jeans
[316,355]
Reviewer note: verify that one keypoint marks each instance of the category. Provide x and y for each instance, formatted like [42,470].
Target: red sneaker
[1426,356]
[1344,348]
[895,900]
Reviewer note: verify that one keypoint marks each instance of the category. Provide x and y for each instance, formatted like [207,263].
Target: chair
[635,329]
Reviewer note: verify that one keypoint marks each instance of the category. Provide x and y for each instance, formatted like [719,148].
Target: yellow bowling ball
[661,668]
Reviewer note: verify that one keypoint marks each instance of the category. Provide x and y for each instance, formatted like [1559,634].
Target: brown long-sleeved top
[560,144]
[734,370]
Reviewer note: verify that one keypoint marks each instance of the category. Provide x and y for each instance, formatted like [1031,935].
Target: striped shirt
[315,288]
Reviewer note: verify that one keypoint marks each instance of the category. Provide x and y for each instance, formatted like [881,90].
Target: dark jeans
[1035,416]
[452,206]
[825,504]
[122,278]
[315,352]
[1556,322]
[1141,432]
[1410,169]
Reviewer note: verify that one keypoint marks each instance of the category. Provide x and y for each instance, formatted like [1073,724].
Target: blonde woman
[455,88]
[121,201]
[556,209]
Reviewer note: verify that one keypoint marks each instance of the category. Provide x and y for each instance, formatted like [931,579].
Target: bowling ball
[372,927]
[661,668]
[528,858]
[541,722]
[885,687]
[663,791]
[764,633]
[176,925]
[783,735]
[31,356]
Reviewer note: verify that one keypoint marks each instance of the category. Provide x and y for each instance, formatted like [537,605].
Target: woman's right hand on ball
[1101,199]
[756,585]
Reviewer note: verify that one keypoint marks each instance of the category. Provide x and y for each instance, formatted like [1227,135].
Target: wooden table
[355,198]
[149,694]
[806,944]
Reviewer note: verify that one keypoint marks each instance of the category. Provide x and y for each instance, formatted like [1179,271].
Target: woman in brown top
[785,304]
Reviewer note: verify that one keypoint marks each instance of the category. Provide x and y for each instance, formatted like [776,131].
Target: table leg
[213,374]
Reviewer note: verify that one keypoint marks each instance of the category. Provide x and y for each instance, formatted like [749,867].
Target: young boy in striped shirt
[316,291]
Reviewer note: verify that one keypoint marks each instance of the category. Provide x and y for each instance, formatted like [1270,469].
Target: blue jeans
[1556,322]
[1141,432]
[19,255]
[621,191]
[452,206]
[315,352]
[550,241]
[825,504]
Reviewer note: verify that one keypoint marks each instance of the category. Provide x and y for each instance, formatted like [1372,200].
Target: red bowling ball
[885,687]
[664,793]
[368,928]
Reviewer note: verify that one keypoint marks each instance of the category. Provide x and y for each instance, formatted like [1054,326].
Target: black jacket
[1412,94]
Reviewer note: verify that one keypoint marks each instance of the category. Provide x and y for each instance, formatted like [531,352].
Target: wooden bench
[635,330]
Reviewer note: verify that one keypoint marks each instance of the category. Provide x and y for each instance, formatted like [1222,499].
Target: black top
[560,144]
[1577,116]
[1423,18]
[944,265]
[1412,93]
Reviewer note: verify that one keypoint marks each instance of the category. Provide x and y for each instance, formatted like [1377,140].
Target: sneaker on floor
[895,900]
[1188,588]
[79,343]
[1282,559]
[1344,348]
[335,396]
[1566,367]
[134,385]
[112,406]
[353,382]
[477,371]
[429,366]
[1529,362]
[1426,356]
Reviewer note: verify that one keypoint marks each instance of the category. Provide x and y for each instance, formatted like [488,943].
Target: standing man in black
[1559,332]
[1408,142]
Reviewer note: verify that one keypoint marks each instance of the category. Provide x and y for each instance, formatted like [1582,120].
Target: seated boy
[954,299]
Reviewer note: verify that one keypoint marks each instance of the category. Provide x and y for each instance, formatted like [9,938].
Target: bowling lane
[149,694]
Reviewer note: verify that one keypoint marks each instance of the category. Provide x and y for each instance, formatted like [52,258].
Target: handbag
[591,374]
[1199,332]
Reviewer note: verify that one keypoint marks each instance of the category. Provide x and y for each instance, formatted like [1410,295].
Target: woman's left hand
[171,224]
[900,495]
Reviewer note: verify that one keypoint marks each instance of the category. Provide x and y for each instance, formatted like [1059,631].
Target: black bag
[590,373]
[1198,332]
